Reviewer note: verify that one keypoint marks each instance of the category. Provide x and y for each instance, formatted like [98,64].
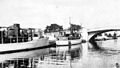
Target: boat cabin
[69,35]
[15,34]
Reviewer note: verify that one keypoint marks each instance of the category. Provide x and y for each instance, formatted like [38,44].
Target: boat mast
[70,20]
[71,30]
[2,37]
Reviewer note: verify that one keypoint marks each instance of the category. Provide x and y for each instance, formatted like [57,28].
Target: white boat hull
[24,45]
[66,42]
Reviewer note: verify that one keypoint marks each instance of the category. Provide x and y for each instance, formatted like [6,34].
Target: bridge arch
[102,31]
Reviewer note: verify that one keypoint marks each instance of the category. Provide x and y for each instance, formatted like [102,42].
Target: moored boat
[69,37]
[15,39]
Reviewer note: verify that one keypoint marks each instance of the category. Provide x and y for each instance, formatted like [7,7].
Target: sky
[40,13]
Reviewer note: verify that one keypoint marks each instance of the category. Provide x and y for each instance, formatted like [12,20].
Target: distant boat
[69,38]
[73,37]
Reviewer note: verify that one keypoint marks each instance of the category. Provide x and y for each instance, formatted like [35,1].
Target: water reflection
[107,56]
[15,63]
[63,52]
[108,47]
[56,56]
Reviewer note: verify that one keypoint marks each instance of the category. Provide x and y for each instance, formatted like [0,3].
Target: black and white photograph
[59,33]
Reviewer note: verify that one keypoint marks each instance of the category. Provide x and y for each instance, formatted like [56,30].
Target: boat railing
[69,37]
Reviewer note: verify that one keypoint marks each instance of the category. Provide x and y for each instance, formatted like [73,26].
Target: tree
[74,27]
[53,28]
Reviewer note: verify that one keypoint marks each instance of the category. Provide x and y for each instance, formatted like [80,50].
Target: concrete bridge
[92,34]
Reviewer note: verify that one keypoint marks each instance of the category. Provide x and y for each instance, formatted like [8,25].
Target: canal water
[107,57]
